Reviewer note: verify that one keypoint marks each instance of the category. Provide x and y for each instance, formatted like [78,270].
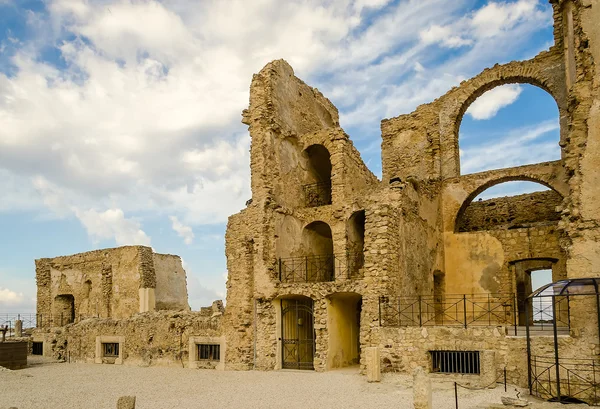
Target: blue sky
[120,119]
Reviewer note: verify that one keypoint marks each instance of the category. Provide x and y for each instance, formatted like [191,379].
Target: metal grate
[209,352]
[461,362]
[317,194]
[110,349]
[37,348]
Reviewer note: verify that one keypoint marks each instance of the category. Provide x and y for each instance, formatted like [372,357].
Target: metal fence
[32,320]
[319,268]
[451,310]
[317,194]
[466,310]
[573,380]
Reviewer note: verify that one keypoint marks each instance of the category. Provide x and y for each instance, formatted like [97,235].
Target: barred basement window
[461,362]
[37,348]
[209,352]
[110,349]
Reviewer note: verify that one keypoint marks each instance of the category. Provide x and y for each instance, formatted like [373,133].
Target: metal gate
[297,333]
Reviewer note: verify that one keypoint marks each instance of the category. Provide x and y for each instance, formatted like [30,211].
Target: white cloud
[15,301]
[444,36]
[144,119]
[203,294]
[519,147]
[183,231]
[112,224]
[488,105]
[496,17]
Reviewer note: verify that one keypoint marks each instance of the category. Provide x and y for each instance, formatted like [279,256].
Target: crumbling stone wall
[511,212]
[419,231]
[107,283]
[150,338]
[171,284]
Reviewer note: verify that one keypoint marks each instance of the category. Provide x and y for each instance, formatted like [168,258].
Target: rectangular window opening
[457,362]
[37,348]
[209,352]
[110,349]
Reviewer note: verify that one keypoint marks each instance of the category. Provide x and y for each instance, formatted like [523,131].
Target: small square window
[37,348]
[209,352]
[458,362]
[110,349]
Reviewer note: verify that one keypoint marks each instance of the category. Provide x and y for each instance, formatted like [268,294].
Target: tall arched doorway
[297,333]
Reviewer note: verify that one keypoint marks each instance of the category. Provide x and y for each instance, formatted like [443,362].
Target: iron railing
[473,310]
[317,194]
[32,320]
[320,268]
[578,379]
[451,310]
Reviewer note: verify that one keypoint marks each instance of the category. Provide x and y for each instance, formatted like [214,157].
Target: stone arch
[317,186]
[317,244]
[496,181]
[544,72]
[317,239]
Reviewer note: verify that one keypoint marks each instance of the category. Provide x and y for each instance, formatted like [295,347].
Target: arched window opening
[510,125]
[317,261]
[510,205]
[317,187]
[355,236]
[63,310]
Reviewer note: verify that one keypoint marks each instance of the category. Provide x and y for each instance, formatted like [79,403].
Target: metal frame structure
[575,373]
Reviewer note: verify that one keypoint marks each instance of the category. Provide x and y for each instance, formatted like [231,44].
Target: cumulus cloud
[183,231]
[443,35]
[496,17]
[488,105]
[521,146]
[140,114]
[15,301]
[112,224]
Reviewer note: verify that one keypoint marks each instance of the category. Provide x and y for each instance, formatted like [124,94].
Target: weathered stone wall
[511,212]
[171,284]
[479,262]
[150,338]
[107,283]
[410,217]
[403,349]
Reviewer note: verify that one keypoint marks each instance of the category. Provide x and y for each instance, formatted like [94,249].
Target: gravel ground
[48,385]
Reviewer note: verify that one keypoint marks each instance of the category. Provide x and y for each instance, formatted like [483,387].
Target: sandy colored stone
[421,389]
[126,402]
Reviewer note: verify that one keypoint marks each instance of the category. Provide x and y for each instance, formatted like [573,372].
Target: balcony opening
[317,188]
[318,262]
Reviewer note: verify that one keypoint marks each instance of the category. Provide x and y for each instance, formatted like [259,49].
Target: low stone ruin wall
[403,349]
[145,339]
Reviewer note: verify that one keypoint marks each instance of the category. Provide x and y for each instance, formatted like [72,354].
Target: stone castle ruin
[112,283]
[327,261]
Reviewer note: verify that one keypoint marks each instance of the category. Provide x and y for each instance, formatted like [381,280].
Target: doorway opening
[343,324]
[297,333]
